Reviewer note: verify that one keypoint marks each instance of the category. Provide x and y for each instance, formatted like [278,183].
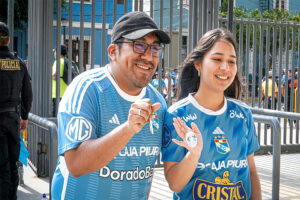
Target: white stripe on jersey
[74,89]
[93,76]
[238,102]
[181,103]
[84,90]
[65,173]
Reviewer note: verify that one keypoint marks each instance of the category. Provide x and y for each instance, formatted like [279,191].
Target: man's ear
[112,51]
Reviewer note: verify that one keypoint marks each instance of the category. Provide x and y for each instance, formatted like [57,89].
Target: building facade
[87,29]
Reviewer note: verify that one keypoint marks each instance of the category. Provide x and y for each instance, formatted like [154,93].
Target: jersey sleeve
[77,117]
[171,151]
[253,144]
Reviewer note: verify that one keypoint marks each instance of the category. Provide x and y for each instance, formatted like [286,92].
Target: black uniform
[15,88]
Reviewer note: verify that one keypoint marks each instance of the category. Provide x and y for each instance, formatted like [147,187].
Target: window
[185,4]
[78,1]
[75,52]
[281,4]
[184,47]
[120,1]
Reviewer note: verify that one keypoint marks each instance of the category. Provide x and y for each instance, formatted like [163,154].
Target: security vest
[63,85]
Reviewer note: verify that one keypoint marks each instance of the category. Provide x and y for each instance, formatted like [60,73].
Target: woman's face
[218,67]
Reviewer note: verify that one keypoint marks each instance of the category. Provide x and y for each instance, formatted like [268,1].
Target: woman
[214,159]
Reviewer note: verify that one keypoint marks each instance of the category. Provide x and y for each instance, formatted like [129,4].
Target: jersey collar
[205,110]
[123,94]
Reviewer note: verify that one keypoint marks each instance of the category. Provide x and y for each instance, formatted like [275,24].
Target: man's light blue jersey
[92,106]
[229,136]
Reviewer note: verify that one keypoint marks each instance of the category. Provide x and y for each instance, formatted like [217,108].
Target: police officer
[15,89]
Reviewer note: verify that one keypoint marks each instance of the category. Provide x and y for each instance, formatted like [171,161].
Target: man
[110,119]
[264,91]
[15,85]
[63,85]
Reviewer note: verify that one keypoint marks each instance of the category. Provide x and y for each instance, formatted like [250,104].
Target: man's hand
[23,125]
[140,113]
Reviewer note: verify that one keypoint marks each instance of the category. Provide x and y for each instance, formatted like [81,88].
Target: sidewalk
[289,180]
[34,187]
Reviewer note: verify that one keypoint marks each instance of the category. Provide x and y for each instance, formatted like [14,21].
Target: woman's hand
[182,129]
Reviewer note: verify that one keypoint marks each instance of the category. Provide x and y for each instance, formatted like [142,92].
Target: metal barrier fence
[270,46]
[46,153]
[290,142]
[273,121]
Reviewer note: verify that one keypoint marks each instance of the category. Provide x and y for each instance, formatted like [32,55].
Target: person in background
[15,89]
[110,119]
[209,135]
[174,76]
[166,80]
[290,89]
[155,84]
[264,91]
[63,84]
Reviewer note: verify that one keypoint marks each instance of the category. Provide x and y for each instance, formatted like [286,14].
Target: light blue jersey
[92,106]
[155,84]
[229,136]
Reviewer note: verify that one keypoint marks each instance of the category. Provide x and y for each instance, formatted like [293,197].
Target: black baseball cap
[135,25]
[4,31]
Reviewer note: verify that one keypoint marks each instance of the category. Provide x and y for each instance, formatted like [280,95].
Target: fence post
[276,151]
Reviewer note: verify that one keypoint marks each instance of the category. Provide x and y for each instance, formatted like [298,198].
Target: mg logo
[79,129]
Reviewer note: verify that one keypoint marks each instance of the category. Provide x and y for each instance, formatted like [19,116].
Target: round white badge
[191,139]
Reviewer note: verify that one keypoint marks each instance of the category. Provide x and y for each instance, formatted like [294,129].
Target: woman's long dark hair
[189,80]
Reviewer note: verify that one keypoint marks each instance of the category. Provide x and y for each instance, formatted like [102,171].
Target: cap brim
[162,36]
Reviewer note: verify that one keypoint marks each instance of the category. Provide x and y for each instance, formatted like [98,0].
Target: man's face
[134,70]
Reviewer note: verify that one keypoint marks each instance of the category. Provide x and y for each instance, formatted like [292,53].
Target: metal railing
[273,121]
[51,129]
[292,145]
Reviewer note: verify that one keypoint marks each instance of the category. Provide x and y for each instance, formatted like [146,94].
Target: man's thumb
[155,107]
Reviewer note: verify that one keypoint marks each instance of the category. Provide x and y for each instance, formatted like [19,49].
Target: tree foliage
[20,12]
[272,15]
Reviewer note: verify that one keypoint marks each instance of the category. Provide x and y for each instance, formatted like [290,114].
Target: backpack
[75,71]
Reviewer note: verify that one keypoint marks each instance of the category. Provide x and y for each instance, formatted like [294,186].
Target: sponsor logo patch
[79,129]
[222,188]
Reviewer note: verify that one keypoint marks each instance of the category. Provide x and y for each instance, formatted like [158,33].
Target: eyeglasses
[141,47]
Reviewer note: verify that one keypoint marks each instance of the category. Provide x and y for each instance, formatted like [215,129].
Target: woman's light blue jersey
[229,136]
[92,106]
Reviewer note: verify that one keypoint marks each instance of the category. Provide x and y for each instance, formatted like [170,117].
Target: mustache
[145,62]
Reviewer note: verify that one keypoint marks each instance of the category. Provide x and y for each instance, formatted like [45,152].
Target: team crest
[222,145]
[155,123]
